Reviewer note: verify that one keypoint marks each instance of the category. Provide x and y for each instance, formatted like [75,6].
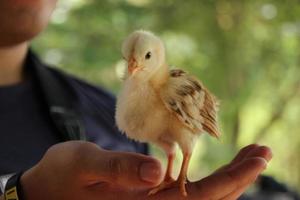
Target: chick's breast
[140,113]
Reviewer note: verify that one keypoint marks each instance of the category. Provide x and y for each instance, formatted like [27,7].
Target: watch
[3,181]
[12,189]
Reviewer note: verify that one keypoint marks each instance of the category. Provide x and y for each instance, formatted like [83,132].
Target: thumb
[127,169]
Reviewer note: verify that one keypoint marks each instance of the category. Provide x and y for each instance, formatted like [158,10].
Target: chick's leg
[182,178]
[186,142]
[168,175]
[168,180]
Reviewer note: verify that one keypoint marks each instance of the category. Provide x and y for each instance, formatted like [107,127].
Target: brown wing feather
[191,102]
[209,114]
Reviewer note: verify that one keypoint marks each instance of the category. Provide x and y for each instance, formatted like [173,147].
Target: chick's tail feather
[209,113]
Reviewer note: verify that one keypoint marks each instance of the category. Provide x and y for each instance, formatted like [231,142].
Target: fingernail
[150,172]
[264,165]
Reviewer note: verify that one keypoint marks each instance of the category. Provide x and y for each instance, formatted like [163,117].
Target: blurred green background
[246,52]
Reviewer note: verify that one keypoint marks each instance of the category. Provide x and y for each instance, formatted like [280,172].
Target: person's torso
[26,132]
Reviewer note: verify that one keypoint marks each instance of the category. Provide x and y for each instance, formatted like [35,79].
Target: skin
[81,170]
[20,21]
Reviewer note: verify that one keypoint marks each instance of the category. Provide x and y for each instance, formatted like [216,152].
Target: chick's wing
[187,98]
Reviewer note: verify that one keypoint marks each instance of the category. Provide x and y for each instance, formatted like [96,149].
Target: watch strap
[13,189]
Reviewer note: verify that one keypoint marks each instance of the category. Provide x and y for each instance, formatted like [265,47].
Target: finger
[261,151]
[236,194]
[222,184]
[239,157]
[129,170]
[248,152]
[218,185]
[243,152]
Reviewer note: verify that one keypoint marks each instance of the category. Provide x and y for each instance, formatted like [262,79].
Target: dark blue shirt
[27,130]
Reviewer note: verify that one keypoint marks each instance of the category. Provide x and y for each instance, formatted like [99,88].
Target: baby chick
[162,106]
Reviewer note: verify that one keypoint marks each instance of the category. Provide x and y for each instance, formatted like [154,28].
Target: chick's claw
[168,185]
[162,186]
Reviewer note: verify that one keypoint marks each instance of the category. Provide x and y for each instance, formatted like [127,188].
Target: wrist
[25,181]
[32,185]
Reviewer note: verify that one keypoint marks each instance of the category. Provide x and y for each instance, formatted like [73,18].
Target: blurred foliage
[246,52]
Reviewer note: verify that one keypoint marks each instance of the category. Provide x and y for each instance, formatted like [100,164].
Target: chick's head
[144,53]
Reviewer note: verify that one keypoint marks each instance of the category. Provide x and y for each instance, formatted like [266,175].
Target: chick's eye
[148,55]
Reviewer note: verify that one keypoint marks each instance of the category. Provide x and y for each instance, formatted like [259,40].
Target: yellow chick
[162,106]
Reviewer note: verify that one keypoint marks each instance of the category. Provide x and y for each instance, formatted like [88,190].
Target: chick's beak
[132,65]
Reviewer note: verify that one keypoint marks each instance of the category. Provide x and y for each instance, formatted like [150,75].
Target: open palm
[226,183]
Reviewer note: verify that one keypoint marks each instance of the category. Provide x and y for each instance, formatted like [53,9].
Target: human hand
[228,182]
[78,170]
[82,171]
